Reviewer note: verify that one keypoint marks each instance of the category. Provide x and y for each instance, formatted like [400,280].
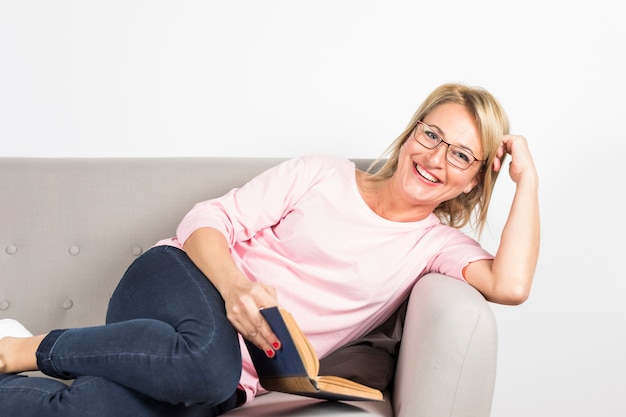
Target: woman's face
[426,178]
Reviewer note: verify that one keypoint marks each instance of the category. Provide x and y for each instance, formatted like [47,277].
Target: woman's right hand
[243,298]
[244,301]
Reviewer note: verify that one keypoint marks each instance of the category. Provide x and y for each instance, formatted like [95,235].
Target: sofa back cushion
[69,227]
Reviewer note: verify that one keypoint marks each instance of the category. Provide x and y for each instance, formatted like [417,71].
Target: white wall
[281,78]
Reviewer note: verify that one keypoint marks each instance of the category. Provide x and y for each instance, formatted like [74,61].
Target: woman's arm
[212,227]
[208,249]
[508,278]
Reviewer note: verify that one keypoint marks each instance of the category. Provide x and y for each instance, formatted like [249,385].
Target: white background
[283,78]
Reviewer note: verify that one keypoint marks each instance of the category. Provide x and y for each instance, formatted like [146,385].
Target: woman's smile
[425,174]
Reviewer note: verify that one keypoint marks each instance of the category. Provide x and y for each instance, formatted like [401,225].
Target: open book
[294,369]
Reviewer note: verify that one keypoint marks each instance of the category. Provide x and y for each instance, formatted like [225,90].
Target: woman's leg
[167,339]
[166,336]
[89,397]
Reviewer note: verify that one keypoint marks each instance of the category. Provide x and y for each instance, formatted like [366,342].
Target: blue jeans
[167,349]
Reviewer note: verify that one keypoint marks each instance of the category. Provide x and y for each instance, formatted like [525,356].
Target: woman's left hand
[521,164]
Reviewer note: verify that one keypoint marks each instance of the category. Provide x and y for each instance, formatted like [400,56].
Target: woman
[337,247]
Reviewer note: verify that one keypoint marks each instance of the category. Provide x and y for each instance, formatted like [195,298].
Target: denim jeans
[167,349]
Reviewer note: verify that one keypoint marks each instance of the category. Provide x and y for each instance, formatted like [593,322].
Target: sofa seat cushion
[276,404]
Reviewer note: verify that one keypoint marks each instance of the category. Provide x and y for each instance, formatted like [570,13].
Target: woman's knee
[164,284]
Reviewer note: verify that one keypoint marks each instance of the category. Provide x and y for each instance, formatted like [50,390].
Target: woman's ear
[471,185]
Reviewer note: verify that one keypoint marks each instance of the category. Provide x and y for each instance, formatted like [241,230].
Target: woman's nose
[439,152]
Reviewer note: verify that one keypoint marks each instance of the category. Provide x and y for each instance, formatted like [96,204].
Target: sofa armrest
[448,354]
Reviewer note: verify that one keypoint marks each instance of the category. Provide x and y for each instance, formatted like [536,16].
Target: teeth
[425,174]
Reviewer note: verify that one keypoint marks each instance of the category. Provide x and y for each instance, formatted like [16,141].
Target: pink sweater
[339,268]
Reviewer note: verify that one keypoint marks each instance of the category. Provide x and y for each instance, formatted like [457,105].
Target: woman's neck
[381,198]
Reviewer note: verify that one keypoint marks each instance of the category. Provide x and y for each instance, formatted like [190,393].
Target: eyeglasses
[456,156]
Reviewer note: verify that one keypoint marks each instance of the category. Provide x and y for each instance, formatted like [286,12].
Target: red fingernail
[276,345]
[270,353]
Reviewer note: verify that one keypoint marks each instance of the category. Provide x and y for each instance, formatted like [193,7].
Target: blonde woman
[338,247]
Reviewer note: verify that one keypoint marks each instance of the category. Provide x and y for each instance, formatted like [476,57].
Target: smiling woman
[171,342]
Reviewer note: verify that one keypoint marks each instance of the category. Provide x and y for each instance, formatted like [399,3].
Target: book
[295,366]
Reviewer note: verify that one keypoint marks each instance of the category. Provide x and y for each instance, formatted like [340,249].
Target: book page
[307,353]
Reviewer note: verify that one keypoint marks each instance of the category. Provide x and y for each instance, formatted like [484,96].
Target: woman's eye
[461,156]
[433,136]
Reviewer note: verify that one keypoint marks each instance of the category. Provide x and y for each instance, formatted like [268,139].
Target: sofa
[69,227]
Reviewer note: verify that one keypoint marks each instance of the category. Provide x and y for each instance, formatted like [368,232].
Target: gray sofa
[69,227]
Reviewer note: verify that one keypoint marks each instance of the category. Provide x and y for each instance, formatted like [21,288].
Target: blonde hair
[492,124]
